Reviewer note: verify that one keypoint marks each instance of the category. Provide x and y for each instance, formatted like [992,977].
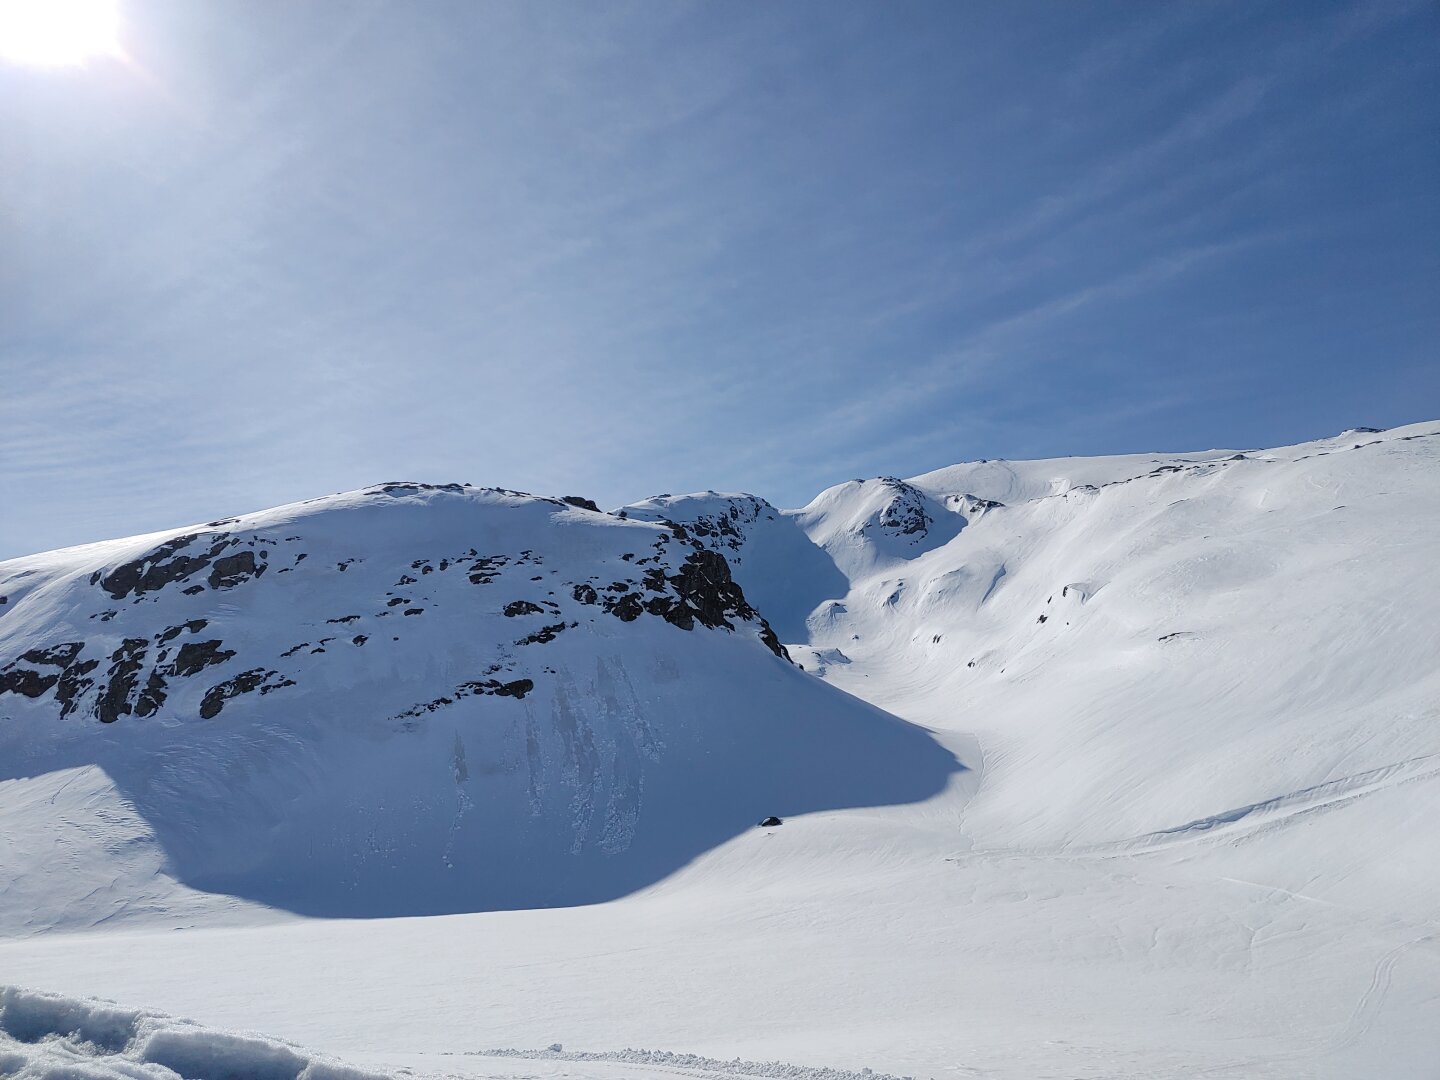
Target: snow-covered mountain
[1161,806]
[404,700]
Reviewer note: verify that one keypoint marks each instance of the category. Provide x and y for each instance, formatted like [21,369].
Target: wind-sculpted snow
[278,703]
[50,1037]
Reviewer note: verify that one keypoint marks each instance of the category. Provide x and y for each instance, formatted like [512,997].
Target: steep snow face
[407,699]
[784,572]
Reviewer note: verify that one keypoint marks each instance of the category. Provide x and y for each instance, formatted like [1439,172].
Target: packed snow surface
[1111,767]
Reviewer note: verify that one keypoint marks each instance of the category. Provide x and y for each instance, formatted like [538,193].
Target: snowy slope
[1148,643]
[1222,661]
[1154,648]
[1197,694]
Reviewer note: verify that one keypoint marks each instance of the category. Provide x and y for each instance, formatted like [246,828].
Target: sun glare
[58,33]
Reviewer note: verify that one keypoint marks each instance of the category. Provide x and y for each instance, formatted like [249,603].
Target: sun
[58,33]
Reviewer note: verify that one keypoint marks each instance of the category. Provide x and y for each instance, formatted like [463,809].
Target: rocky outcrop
[905,513]
[515,688]
[181,558]
[244,683]
[36,672]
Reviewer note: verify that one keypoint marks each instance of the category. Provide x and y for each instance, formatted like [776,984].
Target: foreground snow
[49,1037]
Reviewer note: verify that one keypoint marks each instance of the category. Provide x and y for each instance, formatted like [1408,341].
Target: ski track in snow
[1367,1009]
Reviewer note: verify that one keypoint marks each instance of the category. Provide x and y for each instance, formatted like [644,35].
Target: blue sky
[617,249]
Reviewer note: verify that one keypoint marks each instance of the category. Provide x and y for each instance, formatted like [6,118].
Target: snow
[50,1037]
[1191,835]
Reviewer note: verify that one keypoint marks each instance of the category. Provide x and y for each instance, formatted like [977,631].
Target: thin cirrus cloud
[627,248]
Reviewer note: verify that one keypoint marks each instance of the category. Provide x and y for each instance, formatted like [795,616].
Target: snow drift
[51,1037]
